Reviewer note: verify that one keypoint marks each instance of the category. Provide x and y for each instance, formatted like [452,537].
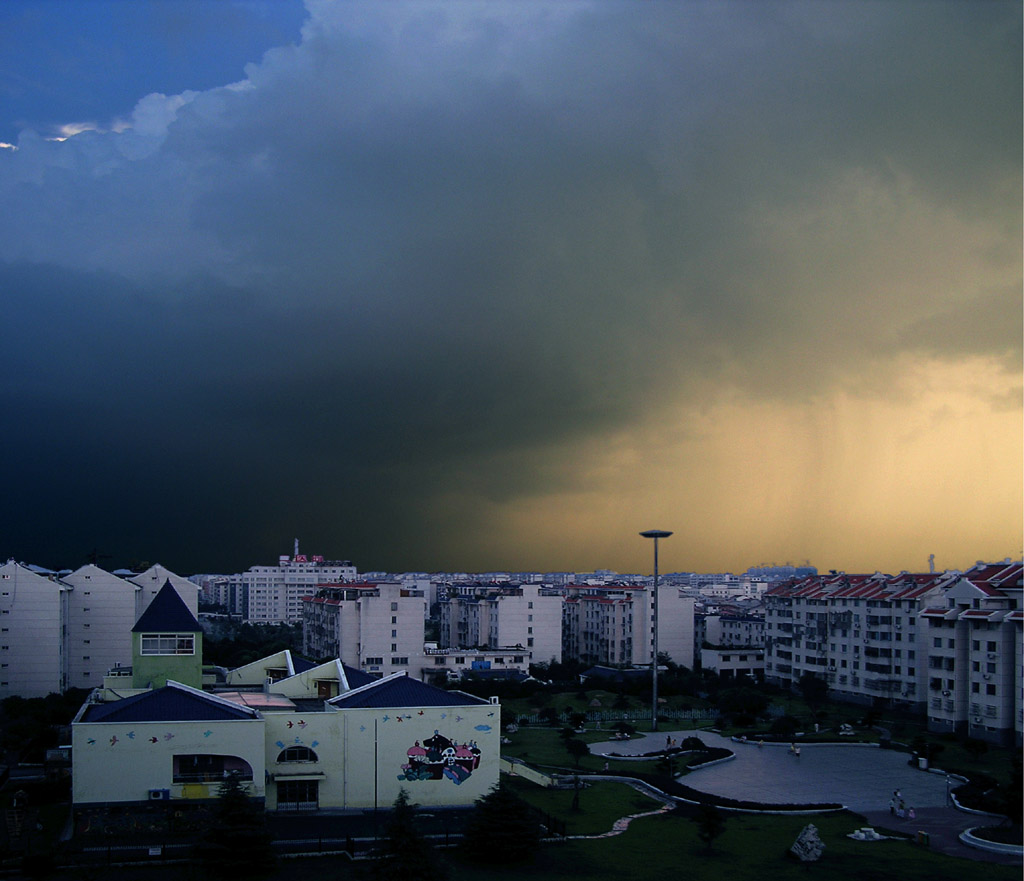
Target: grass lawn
[601,804]
[752,848]
[544,748]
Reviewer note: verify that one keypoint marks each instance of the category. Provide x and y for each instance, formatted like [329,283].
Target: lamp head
[655,533]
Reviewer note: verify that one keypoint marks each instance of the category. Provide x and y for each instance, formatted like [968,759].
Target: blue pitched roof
[357,678]
[301,665]
[167,613]
[171,703]
[402,691]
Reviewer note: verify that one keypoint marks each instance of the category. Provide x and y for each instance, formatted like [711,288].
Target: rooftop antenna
[931,563]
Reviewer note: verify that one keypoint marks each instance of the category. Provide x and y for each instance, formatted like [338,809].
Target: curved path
[860,776]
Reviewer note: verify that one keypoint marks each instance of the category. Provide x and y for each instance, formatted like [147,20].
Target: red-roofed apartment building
[872,638]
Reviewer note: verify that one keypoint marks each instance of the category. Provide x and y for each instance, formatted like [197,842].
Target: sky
[474,286]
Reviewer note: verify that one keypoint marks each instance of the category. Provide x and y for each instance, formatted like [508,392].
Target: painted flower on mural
[438,757]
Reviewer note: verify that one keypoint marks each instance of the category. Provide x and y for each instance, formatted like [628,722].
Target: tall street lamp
[655,534]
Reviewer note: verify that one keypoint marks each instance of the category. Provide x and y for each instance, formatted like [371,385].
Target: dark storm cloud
[429,247]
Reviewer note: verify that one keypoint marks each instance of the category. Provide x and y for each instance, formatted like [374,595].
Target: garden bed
[1005,834]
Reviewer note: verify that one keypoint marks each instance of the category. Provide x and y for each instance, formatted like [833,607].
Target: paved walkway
[860,777]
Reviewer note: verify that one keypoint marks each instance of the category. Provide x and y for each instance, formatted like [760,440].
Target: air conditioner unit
[991,656]
[977,720]
[832,668]
[899,626]
[159,795]
[946,693]
[986,676]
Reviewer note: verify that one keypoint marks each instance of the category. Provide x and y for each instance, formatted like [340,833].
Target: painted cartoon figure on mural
[439,757]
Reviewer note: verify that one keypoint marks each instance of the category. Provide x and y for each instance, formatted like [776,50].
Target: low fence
[634,715]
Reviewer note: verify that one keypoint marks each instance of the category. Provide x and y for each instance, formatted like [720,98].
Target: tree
[237,841]
[577,749]
[813,689]
[404,852]
[502,828]
[748,701]
[710,823]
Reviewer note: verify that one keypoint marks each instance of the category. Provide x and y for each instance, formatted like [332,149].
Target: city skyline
[486,287]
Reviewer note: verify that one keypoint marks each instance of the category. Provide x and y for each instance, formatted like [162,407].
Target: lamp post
[655,534]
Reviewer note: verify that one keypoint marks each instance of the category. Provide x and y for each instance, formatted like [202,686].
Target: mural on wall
[440,757]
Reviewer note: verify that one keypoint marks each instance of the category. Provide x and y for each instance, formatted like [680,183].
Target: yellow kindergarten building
[301,736]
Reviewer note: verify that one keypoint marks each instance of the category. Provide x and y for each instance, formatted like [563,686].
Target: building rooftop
[167,613]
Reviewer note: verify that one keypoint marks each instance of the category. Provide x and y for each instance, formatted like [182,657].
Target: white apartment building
[377,628]
[732,644]
[273,594]
[613,625]
[154,578]
[31,623]
[860,633]
[972,639]
[520,616]
[100,611]
[60,632]
[450,665]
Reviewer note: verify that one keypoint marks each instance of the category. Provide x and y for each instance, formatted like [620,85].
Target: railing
[632,715]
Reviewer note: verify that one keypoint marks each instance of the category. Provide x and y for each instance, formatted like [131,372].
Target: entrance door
[298,795]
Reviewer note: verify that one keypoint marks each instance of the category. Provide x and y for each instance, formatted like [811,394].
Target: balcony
[882,686]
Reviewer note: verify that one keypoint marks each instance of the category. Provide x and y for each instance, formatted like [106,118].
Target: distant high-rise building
[273,594]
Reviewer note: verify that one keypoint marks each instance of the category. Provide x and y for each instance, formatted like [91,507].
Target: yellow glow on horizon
[849,481]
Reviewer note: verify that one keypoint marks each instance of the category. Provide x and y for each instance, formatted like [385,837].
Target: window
[400,662]
[394,607]
[374,660]
[168,644]
[394,647]
[202,768]
[297,754]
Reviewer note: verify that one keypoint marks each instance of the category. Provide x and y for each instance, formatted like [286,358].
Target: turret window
[168,644]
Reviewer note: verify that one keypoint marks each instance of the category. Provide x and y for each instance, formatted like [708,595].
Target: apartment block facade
[378,628]
[972,637]
[60,631]
[732,645]
[515,616]
[273,594]
[613,625]
[924,641]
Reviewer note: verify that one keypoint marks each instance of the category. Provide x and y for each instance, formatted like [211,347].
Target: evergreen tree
[710,823]
[237,842]
[404,852]
[502,829]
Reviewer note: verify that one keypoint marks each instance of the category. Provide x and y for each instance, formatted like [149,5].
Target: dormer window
[168,644]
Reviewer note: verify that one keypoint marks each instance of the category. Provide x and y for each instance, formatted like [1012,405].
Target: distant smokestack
[296,547]
[931,563]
